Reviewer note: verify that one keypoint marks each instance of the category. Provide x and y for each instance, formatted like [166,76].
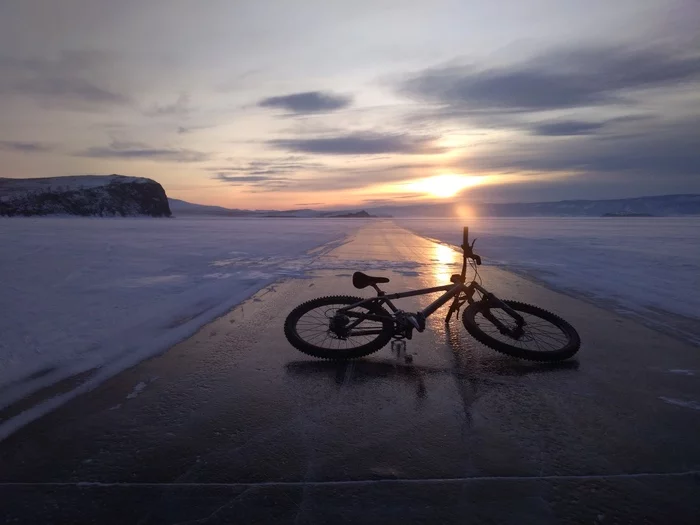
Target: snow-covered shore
[80,293]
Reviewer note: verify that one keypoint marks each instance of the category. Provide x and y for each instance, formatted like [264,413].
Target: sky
[276,104]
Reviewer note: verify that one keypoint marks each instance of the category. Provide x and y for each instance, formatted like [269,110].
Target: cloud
[293,173]
[25,147]
[664,150]
[269,167]
[268,175]
[344,178]
[565,79]
[236,179]
[368,143]
[180,107]
[566,127]
[68,80]
[308,102]
[556,128]
[139,151]
[68,90]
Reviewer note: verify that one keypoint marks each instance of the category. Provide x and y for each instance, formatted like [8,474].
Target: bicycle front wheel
[310,328]
[544,336]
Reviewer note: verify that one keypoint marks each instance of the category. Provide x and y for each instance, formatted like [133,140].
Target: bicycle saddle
[360,280]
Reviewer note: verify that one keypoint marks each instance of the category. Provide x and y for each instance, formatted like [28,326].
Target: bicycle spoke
[314,326]
[537,334]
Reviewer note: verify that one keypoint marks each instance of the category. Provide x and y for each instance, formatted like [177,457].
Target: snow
[93,295]
[647,266]
[137,390]
[14,186]
[681,402]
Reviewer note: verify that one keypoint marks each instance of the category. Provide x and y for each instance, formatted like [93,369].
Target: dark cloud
[554,128]
[309,102]
[664,150]
[68,80]
[339,179]
[25,147]
[295,174]
[269,167]
[139,151]
[237,179]
[65,89]
[360,144]
[184,129]
[566,127]
[637,150]
[573,79]
[266,175]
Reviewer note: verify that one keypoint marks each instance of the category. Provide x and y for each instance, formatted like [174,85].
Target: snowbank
[640,264]
[84,294]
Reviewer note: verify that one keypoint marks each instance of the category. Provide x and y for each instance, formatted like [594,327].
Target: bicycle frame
[452,291]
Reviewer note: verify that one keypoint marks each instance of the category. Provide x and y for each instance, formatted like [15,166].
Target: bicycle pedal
[417,321]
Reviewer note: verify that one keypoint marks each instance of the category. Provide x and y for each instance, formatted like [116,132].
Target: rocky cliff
[101,195]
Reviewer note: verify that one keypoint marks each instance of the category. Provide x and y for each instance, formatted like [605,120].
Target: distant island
[351,215]
[358,215]
[627,214]
[85,195]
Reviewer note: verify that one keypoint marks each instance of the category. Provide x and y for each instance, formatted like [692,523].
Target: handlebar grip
[465,237]
[477,259]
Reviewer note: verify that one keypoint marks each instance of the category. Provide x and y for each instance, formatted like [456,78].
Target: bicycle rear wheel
[309,328]
[544,337]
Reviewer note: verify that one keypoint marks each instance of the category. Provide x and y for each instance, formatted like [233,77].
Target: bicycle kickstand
[398,346]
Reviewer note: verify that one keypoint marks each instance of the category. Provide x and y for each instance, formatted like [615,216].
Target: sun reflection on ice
[445,261]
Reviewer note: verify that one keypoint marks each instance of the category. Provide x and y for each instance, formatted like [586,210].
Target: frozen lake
[645,266]
[103,294]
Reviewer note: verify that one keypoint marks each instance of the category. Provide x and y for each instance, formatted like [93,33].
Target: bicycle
[346,327]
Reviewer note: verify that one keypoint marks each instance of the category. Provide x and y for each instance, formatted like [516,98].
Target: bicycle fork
[491,301]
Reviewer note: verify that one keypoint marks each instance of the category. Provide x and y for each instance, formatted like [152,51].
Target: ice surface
[95,296]
[87,294]
[650,266]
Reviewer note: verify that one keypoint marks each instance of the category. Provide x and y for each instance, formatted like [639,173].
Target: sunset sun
[443,186]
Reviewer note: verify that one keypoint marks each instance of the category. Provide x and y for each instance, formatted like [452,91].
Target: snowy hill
[103,195]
